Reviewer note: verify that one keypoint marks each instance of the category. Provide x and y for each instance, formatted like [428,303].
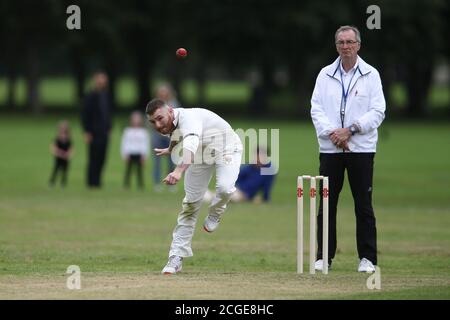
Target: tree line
[139,38]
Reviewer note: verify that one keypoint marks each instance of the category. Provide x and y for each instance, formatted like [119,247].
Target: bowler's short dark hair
[154,105]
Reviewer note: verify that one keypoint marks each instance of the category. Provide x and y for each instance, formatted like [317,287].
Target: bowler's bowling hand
[172,178]
[162,152]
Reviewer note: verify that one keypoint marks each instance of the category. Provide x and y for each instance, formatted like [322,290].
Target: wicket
[312,223]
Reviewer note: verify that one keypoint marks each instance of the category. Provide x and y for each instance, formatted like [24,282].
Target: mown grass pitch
[120,238]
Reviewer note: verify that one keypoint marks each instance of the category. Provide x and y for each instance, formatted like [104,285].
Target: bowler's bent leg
[184,231]
[226,176]
[196,180]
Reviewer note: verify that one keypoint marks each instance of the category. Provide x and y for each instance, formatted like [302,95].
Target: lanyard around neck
[345,92]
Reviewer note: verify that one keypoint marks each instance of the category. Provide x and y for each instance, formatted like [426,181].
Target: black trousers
[134,161]
[97,155]
[359,168]
[61,165]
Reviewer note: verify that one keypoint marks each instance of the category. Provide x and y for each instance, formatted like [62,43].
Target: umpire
[96,121]
[347,107]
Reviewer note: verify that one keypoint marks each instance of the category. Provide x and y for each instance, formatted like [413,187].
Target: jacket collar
[362,68]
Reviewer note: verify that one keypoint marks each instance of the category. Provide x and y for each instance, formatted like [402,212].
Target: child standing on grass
[62,151]
[135,147]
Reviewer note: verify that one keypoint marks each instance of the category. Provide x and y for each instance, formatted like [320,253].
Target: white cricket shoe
[173,266]
[318,266]
[366,266]
[211,223]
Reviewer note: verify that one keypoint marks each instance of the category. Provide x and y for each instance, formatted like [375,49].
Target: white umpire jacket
[364,106]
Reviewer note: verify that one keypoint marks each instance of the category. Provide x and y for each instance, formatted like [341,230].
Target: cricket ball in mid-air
[181,53]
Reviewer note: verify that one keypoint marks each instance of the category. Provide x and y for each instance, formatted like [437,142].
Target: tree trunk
[258,101]
[176,72]
[387,80]
[418,83]
[200,76]
[142,76]
[12,77]
[298,85]
[112,75]
[262,92]
[262,87]
[32,72]
[80,75]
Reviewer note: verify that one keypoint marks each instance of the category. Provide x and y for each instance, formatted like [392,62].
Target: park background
[255,63]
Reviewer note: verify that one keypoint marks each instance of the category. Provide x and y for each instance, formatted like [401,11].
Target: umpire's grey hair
[345,28]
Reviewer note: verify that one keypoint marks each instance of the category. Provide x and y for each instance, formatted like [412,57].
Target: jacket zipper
[342,110]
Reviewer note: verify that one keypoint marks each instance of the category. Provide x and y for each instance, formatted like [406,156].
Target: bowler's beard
[166,130]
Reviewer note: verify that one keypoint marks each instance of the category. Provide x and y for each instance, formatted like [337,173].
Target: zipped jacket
[364,106]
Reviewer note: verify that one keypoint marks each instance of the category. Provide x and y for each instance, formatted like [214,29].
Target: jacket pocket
[361,98]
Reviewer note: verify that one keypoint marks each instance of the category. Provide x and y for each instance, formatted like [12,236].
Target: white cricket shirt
[201,128]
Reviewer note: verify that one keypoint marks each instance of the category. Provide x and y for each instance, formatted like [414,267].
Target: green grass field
[120,239]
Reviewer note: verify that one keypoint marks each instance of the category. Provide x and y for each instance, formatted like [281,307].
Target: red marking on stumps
[312,193]
[299,192]
[325,193]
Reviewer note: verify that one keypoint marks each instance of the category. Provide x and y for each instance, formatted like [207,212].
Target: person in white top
[134,148]
[347,107]
[201,141]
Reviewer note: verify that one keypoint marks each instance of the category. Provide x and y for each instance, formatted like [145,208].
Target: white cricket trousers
[196,181]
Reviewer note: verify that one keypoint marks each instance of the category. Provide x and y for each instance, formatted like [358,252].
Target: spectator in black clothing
[62,151]
[96,121]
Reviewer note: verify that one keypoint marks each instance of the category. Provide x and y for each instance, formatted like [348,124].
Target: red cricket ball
[181,53]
